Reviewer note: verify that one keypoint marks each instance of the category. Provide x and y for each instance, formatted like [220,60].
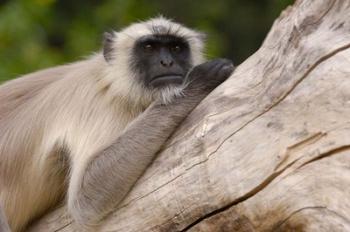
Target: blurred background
[35,34]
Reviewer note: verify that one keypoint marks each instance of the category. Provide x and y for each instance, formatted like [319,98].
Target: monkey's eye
[176,48]
[148,47]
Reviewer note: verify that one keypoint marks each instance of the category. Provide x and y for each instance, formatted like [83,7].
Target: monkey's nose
[167,63]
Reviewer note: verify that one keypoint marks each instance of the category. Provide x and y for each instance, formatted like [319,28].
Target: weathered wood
[269,150]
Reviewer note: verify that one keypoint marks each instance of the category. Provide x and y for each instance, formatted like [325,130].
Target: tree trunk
[269,150]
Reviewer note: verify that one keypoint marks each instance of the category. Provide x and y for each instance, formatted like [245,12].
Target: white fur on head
[122,50]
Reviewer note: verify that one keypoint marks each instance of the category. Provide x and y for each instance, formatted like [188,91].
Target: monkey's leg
[113,171]
[4,227]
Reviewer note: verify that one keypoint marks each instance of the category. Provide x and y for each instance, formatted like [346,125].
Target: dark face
[161,60]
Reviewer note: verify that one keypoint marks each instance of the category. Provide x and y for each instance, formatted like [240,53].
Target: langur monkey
[85,132]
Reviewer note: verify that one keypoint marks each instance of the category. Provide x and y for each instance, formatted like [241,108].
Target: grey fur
[79,131]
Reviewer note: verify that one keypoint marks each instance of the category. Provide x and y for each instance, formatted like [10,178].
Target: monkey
[85,132]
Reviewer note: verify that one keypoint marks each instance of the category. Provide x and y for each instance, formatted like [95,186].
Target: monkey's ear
[108,39]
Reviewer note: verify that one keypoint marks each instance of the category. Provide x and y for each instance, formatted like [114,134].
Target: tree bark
[269,150]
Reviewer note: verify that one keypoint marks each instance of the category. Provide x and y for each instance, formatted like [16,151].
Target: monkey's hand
[203,78]
[199,82]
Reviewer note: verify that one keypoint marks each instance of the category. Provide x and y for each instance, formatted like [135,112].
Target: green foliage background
[35,34]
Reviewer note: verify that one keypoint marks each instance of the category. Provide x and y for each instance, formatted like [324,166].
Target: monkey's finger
[226,71]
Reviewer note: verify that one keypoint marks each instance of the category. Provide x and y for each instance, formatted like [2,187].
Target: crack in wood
[327,154]
[294,213]
[297,147]
[62,227]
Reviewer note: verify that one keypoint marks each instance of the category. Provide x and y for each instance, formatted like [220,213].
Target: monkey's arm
[114,170]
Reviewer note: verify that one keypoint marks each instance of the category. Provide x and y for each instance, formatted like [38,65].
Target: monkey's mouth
[167,79]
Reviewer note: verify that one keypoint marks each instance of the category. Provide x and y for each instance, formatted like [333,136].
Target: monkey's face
[161,60]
